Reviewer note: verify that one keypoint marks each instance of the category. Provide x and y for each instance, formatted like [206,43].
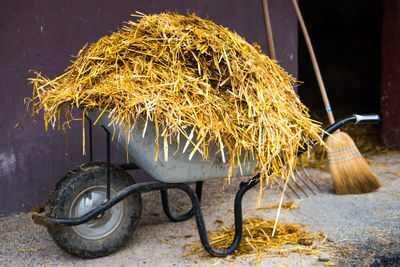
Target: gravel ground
[365,227]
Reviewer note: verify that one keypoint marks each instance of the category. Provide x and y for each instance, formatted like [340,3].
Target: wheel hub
[105,223]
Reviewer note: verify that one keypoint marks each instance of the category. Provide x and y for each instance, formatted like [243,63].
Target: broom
[350,172]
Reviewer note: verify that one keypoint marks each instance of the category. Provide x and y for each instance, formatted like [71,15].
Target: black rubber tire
[69,187]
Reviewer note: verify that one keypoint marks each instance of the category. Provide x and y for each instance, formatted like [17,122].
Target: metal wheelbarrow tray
[178,168]
[95,207]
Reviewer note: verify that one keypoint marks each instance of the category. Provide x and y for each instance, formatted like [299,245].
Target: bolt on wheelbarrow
[95,207]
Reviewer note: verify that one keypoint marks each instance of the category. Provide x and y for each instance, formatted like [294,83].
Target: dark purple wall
[43,35]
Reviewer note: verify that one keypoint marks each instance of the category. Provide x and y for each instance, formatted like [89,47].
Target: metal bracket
[108,169]
[167,209]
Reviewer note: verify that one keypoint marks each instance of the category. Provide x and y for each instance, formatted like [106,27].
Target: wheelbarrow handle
[371,118]
[356,118]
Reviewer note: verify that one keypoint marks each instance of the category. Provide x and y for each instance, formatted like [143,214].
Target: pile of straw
[258,241]
[183,71]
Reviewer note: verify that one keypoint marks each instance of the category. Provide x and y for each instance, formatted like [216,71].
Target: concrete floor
[366,227]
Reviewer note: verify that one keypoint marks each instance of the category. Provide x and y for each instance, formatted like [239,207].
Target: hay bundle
[183,71]
[258,240]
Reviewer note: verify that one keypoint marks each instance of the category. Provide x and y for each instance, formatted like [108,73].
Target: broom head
[350,172]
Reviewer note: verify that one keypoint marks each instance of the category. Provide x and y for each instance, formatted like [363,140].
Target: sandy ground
[366,227]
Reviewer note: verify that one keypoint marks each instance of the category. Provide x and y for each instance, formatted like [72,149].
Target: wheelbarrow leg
[167,209]
[244,187]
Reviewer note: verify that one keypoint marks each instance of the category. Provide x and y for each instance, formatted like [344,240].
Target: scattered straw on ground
[287,206]
[181,72]
[257,240]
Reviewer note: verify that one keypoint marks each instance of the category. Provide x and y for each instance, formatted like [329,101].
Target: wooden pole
[268,30]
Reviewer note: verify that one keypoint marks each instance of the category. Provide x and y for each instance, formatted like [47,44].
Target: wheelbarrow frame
[194,195]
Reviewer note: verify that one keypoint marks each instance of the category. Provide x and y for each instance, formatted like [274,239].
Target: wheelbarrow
[95,208]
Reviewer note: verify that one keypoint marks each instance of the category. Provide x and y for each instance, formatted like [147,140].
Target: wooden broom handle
[268,30]
[314,63]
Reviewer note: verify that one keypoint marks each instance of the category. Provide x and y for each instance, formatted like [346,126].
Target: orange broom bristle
[351,174]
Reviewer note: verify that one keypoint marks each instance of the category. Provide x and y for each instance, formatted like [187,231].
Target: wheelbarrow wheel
[83,189]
